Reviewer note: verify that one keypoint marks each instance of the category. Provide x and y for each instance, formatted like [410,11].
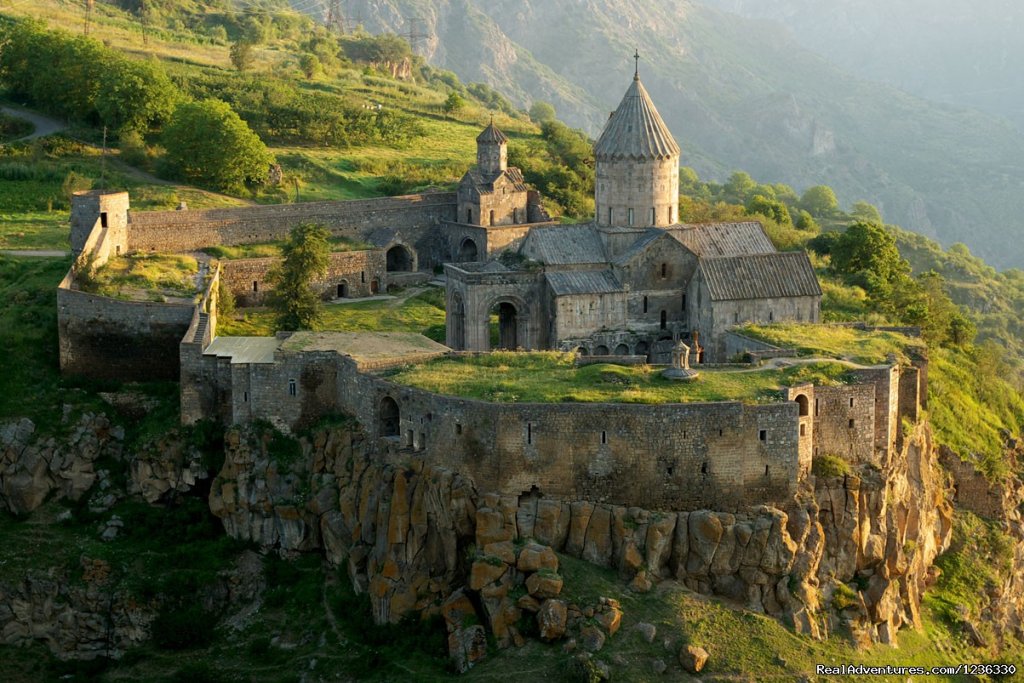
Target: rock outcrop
[852,551]
[168,466]
[33,469]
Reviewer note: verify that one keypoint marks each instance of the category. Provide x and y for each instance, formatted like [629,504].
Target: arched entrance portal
[505,326]
[468,251]
[390,418]
[399,259]
[343,289]
[621,350]
[458,323]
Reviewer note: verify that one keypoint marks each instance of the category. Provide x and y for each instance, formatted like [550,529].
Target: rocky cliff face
[32,469]
[853,551]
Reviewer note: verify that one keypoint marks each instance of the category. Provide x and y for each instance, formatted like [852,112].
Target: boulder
[486,571]
[609,619]
[693,658]
[544,585]
[647,631]
[591,638]
[467,646]
[535,557]
[552,619]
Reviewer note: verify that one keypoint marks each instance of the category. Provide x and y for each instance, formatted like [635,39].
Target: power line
[89,4]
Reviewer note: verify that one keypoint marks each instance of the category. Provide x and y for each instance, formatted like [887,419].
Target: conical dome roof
[491,134]
[636,130]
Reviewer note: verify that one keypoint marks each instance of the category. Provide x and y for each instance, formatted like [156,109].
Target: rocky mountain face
[738,94]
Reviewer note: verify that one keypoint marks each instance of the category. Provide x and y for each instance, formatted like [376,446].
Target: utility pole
[89,4]
[103,162]
[144,18]
[413,36]
[335,17]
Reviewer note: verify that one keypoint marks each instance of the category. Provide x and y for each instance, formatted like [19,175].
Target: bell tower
[491,151]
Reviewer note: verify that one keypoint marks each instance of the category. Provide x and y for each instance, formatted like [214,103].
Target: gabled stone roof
[640,246]
[564,245]
[636,130]
[492,135]
[485,184]
[569,282]
[763,276]
[710,240]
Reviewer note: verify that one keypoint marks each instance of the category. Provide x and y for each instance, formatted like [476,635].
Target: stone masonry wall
[247,278]
[106,338]
[174,231]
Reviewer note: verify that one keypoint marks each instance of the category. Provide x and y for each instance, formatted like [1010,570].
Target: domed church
[634,280]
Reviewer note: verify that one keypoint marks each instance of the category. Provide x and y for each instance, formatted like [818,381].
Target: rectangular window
[362,276]
[803,430]
[255,286]
[816,410]
[103,219]
[684,303]
[529,432]
[609,215]
[851,402]
[245,396]
[654,213]
[458,428]
[604,437]
[851,424]
[293,389]
[645,304]
[763,435]
[629,218]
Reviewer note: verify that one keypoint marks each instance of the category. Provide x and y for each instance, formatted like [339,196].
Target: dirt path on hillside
[44,125]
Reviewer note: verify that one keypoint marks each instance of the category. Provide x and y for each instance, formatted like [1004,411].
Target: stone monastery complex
[627,287]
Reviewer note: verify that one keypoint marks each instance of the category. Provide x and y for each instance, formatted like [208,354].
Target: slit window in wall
[803,430]
[255,286]
[664,270]
[362,276]
[720,432]
[653,216]
[529,432]
[609,215]
[771,316]
[117,250]
[664,319]
[245,396]
[604,437]
[851,423]
[763,435]
[423,441]
[851,402]
[458,428]
[684,303]
[491,221]
[703,468]
[103,219]
[817,410]
[645,304]
[629,217]
[669,470]
[293,388]
[766,470]
[408,437]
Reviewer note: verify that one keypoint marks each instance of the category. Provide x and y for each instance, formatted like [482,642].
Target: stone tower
[491,151]
[637,163]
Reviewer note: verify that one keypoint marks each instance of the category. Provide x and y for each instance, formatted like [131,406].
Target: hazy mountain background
[739,93]
[965,52]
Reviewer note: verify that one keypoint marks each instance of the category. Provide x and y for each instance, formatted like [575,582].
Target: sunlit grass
[150,276]
[858,346]
[552,377]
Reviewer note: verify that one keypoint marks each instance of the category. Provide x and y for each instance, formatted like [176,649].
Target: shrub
[829,466]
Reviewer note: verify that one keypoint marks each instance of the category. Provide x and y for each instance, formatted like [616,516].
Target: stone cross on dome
[636,68]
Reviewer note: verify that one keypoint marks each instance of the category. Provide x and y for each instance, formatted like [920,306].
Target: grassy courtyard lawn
[551,377]
[154,277]
[273,249]
[421,312]
[858,346]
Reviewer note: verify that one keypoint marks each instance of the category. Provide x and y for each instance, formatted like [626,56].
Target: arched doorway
[458,323]
[802,401]
[468,251]
[504,326]
[601,350]
[641,350]
[374,286]
[621,350]
[343,289]
[399,259]
[390,418]
[582,351]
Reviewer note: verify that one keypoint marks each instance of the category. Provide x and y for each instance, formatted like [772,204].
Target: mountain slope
[738,93]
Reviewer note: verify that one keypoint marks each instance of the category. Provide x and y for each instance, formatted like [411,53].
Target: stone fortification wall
[350,274]
[106,338]
[844,422]
[93,209]
[173,231]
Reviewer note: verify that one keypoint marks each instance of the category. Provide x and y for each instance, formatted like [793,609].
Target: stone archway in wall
[803,404]
[504,326]
[458,322]
[468,251]
[621,350]
[389,420]
[641,349]
[400,259]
